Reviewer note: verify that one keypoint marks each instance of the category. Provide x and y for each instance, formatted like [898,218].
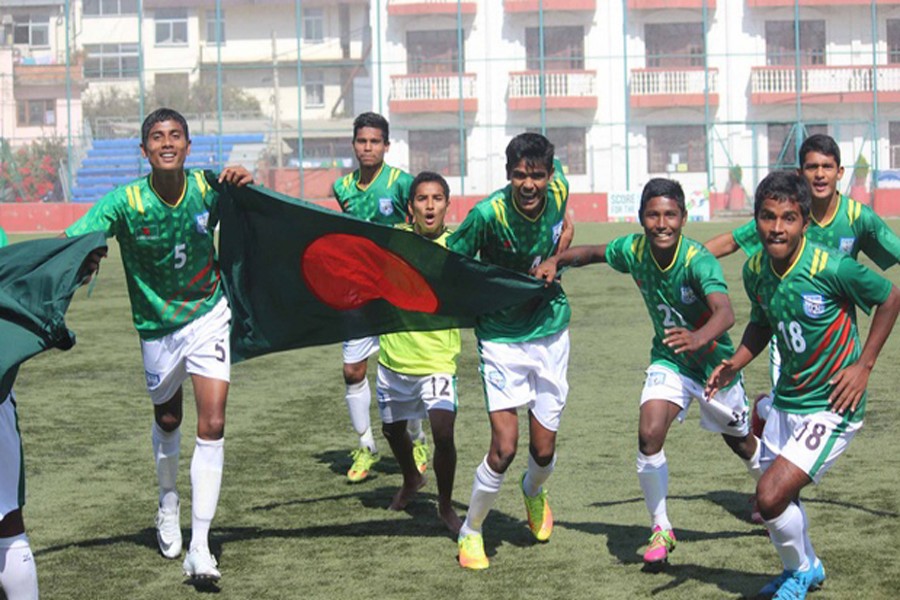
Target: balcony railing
[824,84]
[534,5]
[433,92]
[764,3]
[662,86]
[562,89]
[430,7]
[662,4]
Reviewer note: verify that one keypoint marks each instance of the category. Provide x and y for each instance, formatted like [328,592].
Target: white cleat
[168,531]
[200,564]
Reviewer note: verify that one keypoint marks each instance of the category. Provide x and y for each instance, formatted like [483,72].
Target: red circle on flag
[348,271]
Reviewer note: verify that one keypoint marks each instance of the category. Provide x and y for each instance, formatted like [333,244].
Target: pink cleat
[661,543]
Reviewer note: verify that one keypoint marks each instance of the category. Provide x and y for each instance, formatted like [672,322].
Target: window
[314,25]
[674,44]
[215,28]
[893,40]
[99,8]
[36,113]
[894,138]
[780,42]
[111,61]
[437,151]
[171,26]
[676,148]
[433,52]
[783,143]
[31,29]
[314,88]
[570,147]
[563,48]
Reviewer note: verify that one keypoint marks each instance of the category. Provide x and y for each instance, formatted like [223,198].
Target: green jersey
[3,239]
[382,201]
[501,235]
[675,296]
[168,251]
[852,227]
[810,310]
[421,352]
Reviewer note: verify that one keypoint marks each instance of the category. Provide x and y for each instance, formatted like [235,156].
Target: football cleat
[420,455]
[363,459]
[540,517]
[815,577]
[795,586]
[168,531]
[662,541]
[200,564]
[471,552]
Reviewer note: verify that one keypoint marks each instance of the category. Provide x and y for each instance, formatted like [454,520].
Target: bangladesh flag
[37,280]
[300,275]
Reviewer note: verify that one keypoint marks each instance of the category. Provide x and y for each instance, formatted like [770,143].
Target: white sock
[484,491]
[787,532]
[807,542]
[653,474]
[359,398]
[206,481]
[536,475]
[166,450]
[414,429]
[18,575]
[752,463]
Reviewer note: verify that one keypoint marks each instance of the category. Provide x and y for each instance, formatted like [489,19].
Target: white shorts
[812,442]
[404,397]
[12,473]
[358,350]
[726,413]
[199,348]
[531,374]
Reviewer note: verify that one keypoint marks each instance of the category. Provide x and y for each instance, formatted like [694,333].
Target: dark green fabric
[262,242]
[37,280]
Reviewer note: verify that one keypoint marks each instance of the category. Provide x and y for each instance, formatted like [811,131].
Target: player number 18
[793,335]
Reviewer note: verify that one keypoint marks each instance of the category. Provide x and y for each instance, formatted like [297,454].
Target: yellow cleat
[420,455]
[363,459]
[540,517]
[471,552]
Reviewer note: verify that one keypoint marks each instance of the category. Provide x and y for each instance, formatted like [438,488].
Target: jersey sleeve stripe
[201,183]
[395,173]
[136,194]
[499,210]
[129,191]
[691,252]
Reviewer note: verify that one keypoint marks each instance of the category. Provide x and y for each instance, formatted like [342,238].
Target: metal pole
[798,78]
[542,86]
[141,86]
[461,105]
[220,28]
[378,37]
[709,145]
[299,21]
[276,98]
[627,98]
[68,106]
[875,140]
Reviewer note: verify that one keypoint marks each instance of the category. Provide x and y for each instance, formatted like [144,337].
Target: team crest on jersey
[153,380]
[687,295]
[557,231]
[496,379]
[148,232]
[813,305]
[201,222]
[386,206]
[846,245]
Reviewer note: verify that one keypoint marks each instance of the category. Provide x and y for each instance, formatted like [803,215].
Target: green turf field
[290,526]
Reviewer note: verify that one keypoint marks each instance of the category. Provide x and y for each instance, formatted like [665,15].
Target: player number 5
[180,255]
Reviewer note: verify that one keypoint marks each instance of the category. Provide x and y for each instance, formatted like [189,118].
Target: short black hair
[427,177]
[667,188]
[158,116]
[534,148]
[783,186]
[374,120]
[821,143]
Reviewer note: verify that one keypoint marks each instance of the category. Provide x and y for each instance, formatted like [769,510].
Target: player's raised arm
[682,339]
[236,175]
[850,383]
[573,257]
[722,245]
